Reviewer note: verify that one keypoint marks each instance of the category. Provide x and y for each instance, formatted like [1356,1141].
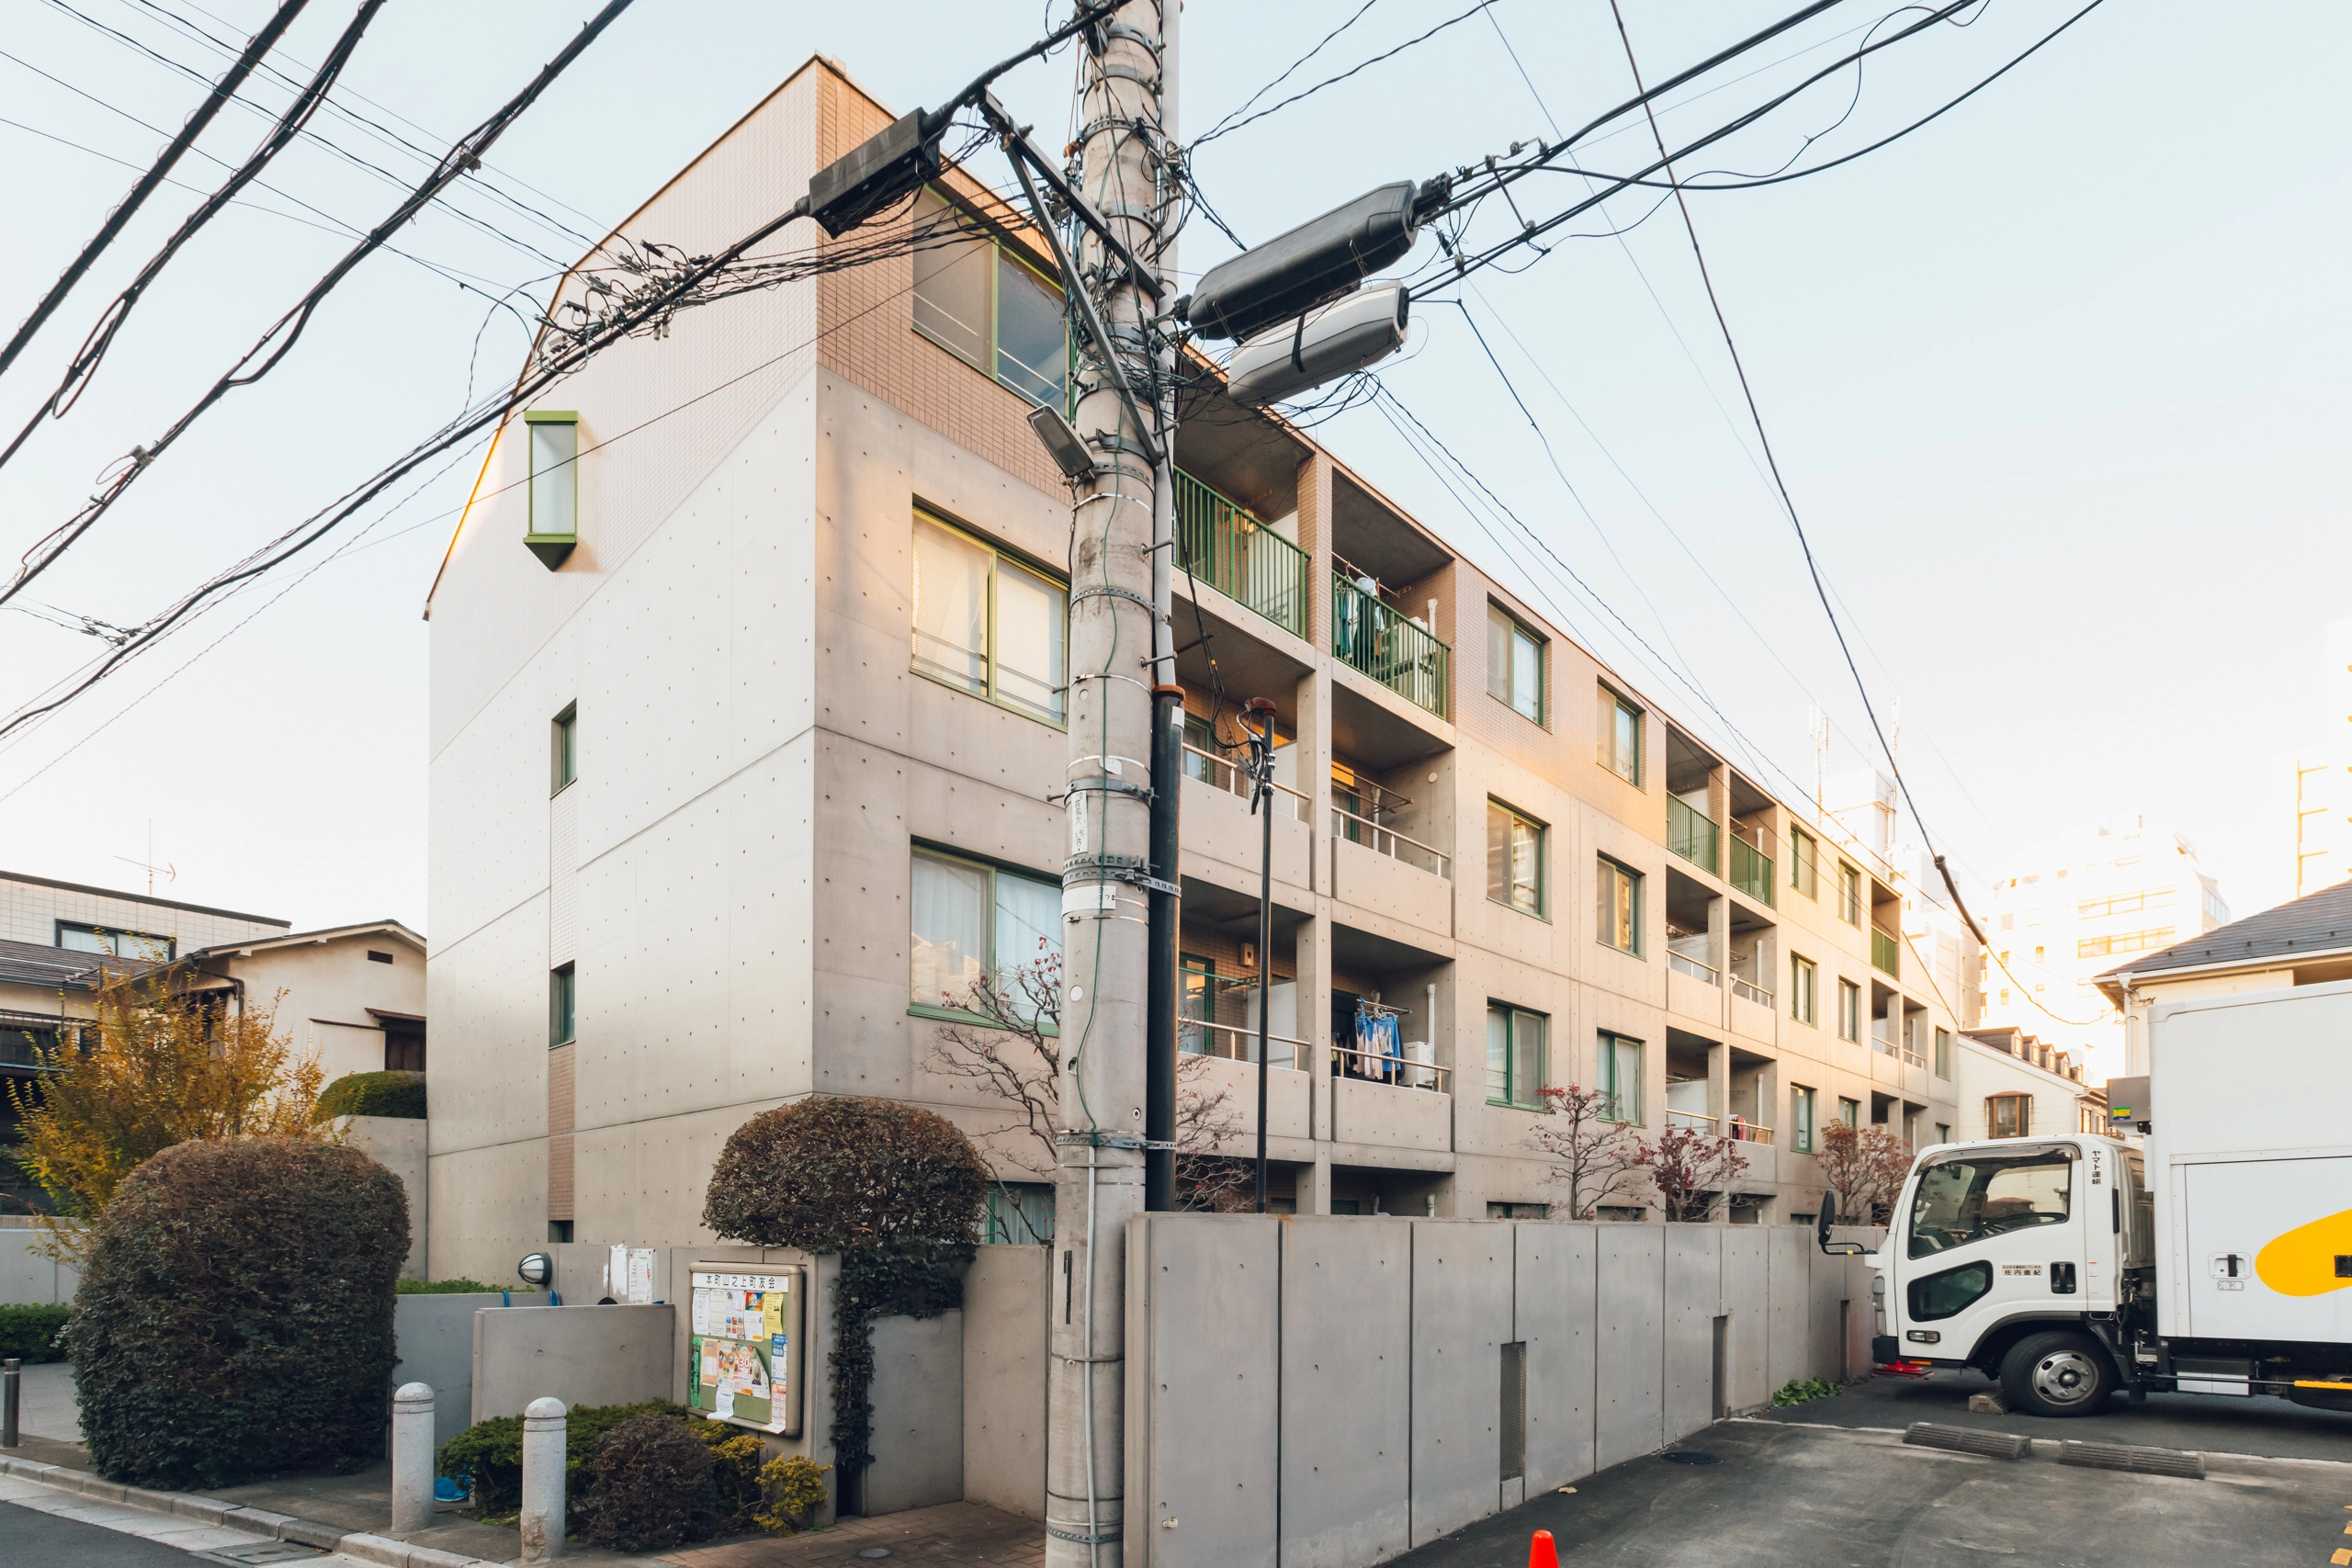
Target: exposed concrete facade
[728,877]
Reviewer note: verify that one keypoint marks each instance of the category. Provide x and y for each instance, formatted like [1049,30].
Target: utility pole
[1122,676]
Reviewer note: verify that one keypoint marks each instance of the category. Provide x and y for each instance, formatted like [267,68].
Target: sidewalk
[951,1533]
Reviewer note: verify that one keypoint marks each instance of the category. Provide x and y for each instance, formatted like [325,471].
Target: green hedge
[30,1333]
[236,1316]
[448,1288]
[373,1094]
[489,1454]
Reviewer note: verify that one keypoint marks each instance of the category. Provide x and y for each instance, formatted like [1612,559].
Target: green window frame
[1850,894]
[1849,1111]
[563,750]
[988,304]
[1617,1073]
[1849,1011]
[563,1006]
[1020,1214]
[1618,906]
[1517,1039]
[1803,979]
[1515,664]
[960,909]
[988,623]
[1805,851]
[1943,1053]
[1800,1116]
[552,495]
[1621,737]
[1515,860]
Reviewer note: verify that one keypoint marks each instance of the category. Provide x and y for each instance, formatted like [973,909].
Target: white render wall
[329,986]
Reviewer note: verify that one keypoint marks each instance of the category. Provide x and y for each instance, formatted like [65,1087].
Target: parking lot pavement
[2208,1423]
[1843,1497]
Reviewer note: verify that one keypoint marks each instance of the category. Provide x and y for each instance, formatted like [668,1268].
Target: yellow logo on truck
[2306,1260]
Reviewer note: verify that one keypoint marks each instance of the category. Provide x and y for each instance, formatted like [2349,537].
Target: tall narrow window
[1801,1112]
[560,1007]
[970,918]
[1514,664]
[563,750]
[1802,852]
[987,625]
[1618,1066]
[1621,737]
[1849,1011]
[1618,918]
[979,299]
[1514,859]
[555,484]
[1849,1111]
[1943,1052]
[1802,979]
[1850,894]
[1514,1055]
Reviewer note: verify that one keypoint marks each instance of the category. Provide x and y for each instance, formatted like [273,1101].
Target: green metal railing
[1226,547]
[1691,835]
[1886,952]
[1389,646]
[1751,871]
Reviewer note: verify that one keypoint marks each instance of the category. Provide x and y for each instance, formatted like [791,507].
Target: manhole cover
[1689,1456]
[876,1552]
[260,1552]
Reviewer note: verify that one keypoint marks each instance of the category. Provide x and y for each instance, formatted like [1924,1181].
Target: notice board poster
[743,1350]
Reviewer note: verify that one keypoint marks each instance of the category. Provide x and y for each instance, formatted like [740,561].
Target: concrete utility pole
[1121,666]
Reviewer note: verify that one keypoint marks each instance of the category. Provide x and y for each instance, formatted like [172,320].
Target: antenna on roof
[171,874]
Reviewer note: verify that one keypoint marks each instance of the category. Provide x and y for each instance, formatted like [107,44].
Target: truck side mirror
[1821,1231]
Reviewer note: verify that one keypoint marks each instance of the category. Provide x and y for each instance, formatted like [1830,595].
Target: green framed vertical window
[1849,1111]
[1850,894]
[1617,1066]
[1514,859]
[986,624]
[1021,1214]
[970,918]
[1621,737]
[1617,905]
[563,750]
[562,1005]
[1943,1053]
[1514,664]
[984,302]
[1515,1047]
[1802,978]
[1805,851]
[554,489]
[1849,1011]
[1800,1114]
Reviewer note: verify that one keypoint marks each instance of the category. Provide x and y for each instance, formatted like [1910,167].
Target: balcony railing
[1739,1130]
[1693,967]
[1751,871]
[1748,990]
[1215,1019]
[1355,830]
[1389,646]
[1228,777]
[1691,835]
[1407,1072]
[1886,952]
[1226,547]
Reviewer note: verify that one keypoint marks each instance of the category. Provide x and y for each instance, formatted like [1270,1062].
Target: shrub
[736,1457]
[372,1094]
[236,1316]
[489,1454]
[1797,1391]
[447,1288]
[794,1488]
[30,1333]
[653,1487]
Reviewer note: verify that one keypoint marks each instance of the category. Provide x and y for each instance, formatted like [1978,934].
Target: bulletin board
[743,1350]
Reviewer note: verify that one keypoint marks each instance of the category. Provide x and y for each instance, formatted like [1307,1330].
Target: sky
[2057,384]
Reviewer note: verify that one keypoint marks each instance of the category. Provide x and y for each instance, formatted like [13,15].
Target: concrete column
[1314,951]
[1719,1084]
[543,1439]
[412,1457]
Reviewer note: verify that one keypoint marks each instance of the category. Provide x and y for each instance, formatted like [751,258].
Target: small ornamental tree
[893,1190]
[1865,1168]
[1689,1168]
[236,1314]
[1593,1159]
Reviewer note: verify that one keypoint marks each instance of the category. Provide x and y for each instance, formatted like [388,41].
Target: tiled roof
[29,964]
[2317,923]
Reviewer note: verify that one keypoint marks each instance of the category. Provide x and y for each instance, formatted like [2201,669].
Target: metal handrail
[1392,647]
[1693,967]
[1340,813]
[1738,1132]
[1245,1038]
[1239,781]
[1751,990]
[1404,1064]
[1224,544]
[1691,833]
[1751,871]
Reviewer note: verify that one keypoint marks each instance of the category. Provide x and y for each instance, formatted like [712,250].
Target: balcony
[1751,870]
[1389,646]
[1217,1016]
[1225,545]
[1227,776]
[1693,967]
[1886,952]
[1739,1130]
[1691,835]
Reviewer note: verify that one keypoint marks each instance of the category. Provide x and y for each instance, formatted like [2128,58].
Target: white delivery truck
[2217,1261]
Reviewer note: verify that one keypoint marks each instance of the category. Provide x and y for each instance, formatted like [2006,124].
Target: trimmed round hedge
[236,1316]
[373,1094]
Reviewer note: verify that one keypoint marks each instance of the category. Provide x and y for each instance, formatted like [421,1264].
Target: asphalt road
[1837,1498]
[36,1538]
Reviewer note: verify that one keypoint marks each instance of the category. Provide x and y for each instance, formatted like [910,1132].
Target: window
[562,1003]
[2008,1115]
[2038,954]
[376,957]
[1514,859]
[1514,1055]
[2125,903]
[1619,904]
[1944,1132]
[1850,894]
[1943,1053]
[2216,910]
[1801,1112]
[1511,1211]
[1619,1069]
[1514,664]
[1849,1011]
[1802,978]
[554,525]
[1971,1197]
[1621,737]
[986,625]
[970,918]
[984,303]
[563,750]
[1949,1293]
[2120,943]
[77,938]
[1021,1214]
[1849,1111]
[1802,852]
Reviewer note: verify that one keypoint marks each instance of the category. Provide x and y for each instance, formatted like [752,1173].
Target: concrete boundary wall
[1330,1391]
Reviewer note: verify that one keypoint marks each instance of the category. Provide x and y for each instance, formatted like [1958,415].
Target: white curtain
[950,929]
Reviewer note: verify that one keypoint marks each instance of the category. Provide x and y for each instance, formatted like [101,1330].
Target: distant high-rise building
[2074,909]
[2322,780]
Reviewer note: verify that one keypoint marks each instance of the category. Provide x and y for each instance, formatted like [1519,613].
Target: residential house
[2305,943]
[2011,1084]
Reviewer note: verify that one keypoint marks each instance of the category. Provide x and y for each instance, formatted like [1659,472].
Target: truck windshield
[1966,1200]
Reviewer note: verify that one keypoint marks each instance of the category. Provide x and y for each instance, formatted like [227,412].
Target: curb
[377,1549]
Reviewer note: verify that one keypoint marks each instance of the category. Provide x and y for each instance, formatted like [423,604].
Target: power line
[1222,128]
[1353,17]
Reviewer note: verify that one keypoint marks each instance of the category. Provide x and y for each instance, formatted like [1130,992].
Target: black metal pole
[1166,911]
[1263,801]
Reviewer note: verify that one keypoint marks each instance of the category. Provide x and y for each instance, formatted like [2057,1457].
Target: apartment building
[747,737]
[2067,911]
[2319,779]
[2307,941]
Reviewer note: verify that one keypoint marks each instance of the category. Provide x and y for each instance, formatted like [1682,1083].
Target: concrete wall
[615,1355]
[435,1338]
[1007,1295]
[27,1276]
[398,1144]
[918,1392]
[1334,1383]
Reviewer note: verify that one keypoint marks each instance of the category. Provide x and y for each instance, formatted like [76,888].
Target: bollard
[543,1443]
[412,1457]
[12,1393]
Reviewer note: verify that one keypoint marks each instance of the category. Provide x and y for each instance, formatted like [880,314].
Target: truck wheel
[2057,1374]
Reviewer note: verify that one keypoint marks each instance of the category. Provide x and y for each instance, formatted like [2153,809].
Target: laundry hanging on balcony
[1380,1043]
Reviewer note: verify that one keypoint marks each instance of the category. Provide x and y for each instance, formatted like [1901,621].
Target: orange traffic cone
[1540,1553]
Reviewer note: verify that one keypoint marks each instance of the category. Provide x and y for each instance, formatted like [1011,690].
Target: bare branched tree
[1593,1158]
[1690,1169]
[1865,1168]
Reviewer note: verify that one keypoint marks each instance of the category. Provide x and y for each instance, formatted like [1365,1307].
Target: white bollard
[543,1421]
[412,1457]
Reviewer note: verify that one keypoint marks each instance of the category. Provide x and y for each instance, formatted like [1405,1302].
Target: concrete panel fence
[1331,1393]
